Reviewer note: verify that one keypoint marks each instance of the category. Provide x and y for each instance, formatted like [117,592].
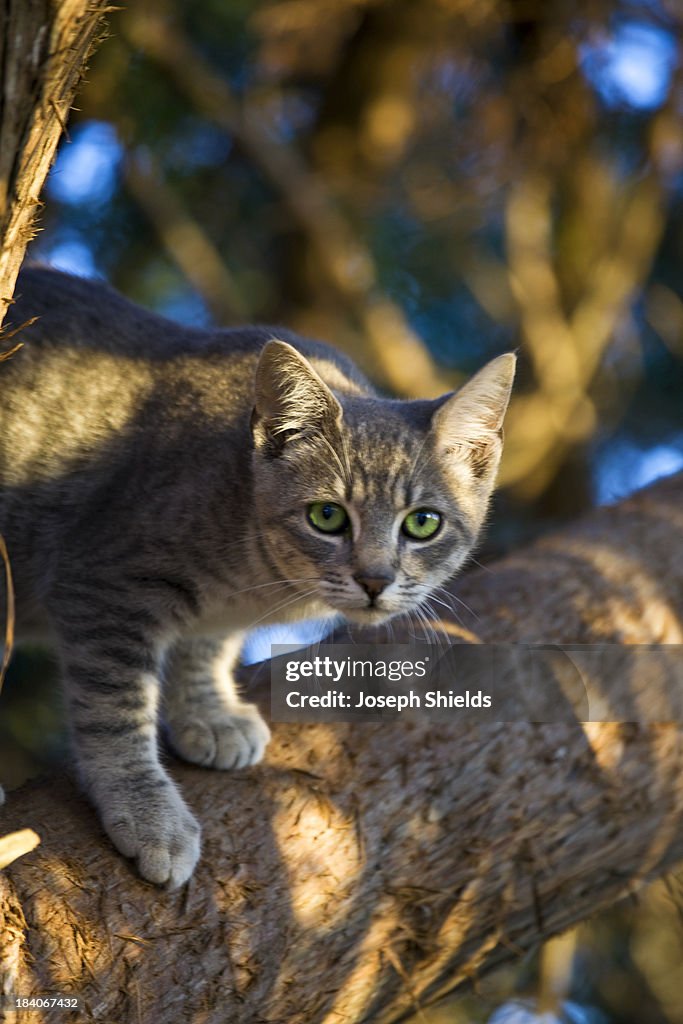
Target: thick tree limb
[363,870]
[44,45]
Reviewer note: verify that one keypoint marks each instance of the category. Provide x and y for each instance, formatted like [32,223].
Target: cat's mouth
[365,610]
[368,615]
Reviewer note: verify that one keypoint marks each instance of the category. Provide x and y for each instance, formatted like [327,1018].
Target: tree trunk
[44,45]
[363,870]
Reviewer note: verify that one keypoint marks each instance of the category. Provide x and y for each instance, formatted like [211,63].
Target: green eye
[422,524]
[328,517]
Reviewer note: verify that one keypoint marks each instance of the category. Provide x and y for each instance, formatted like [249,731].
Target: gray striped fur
[154,481]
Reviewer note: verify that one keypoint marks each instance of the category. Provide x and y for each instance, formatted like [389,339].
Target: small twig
[6,335]
[390,954]
[185,240]
[16,844]
[60,119]
[557,961]
[9,620]
[11,351]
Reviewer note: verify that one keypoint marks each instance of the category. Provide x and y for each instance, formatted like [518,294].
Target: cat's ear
[469,423]
[290,398]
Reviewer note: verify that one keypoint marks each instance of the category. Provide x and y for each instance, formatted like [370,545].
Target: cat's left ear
[469,423]
[290,398]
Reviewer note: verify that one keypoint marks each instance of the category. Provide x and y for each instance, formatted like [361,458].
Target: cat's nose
[373,585]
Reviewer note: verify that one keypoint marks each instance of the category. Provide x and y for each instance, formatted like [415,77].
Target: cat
[163,489]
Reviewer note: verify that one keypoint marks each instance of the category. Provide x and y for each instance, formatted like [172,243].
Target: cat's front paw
[152,824]
[221,740]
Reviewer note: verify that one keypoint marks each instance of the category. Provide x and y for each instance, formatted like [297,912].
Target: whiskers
[431,630]
[480,565]
[424,616]
[448,600]
[279,608]
[275,583]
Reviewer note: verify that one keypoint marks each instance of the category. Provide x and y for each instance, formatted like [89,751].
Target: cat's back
[53,309]
[94,366]
[86,320]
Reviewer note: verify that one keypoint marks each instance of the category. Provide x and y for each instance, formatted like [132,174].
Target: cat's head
[372,504]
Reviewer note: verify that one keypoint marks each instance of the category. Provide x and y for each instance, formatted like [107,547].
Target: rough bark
[363,870]
[44,45]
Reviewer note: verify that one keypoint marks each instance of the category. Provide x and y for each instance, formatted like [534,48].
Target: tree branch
[45,48]
[363,870]
[187,243]
[566,351]
[391,350]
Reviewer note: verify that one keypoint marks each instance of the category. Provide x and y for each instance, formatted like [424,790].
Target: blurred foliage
[426,185]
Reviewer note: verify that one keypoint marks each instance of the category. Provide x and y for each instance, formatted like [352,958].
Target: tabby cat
[164,489]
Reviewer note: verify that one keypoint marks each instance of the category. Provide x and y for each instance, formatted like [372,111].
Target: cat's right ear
[290,398]
[469,424]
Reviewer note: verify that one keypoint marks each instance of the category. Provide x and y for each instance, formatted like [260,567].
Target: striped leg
[208,722]
[112,688]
